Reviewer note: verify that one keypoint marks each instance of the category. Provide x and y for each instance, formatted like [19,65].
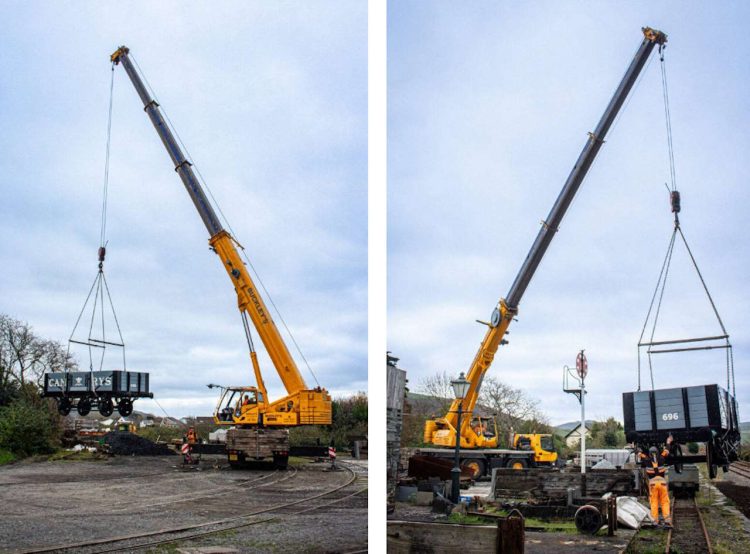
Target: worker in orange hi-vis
[655,464]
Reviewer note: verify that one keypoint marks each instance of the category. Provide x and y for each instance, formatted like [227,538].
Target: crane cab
[236,404]
[541,445]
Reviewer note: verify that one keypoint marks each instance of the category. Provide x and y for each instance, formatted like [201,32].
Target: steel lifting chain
[676,206]
[100,286]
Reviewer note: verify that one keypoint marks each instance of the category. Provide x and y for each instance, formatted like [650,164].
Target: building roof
[575,430]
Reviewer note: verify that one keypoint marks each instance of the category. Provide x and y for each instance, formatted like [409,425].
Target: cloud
[270,99]
[489,106]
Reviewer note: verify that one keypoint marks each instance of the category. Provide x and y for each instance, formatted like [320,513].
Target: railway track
[689,535]
[325,499]
[741,468]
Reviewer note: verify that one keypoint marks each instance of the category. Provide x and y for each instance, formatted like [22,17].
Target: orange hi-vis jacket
[655,468]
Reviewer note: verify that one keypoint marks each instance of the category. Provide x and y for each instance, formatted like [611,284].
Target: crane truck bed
[482,461]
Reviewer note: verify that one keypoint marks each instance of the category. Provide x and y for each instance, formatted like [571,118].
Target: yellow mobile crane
[259,426]
[474,434]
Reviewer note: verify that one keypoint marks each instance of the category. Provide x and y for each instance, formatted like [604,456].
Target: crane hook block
[674,198]
[102,253]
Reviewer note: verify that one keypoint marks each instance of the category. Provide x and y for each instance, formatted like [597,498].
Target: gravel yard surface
[303,509]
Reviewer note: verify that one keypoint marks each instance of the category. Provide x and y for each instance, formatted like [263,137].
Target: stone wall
[552,485]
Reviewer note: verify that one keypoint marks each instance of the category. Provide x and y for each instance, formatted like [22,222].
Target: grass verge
[6,457]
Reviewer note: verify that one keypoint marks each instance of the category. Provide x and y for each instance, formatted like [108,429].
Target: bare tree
[439,387]
[24,357]
[512,406]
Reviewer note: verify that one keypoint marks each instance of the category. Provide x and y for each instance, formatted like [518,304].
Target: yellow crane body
[441,431]
[246,408]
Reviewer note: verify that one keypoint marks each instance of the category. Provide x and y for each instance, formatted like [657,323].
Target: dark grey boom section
[102,390]
[703,414]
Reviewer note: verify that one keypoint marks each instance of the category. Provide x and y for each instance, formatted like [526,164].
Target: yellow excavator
[259,426]
[479,442]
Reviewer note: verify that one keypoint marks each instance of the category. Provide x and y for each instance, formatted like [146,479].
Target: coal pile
[128,444]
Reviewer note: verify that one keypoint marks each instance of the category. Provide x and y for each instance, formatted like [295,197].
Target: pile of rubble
[128,444]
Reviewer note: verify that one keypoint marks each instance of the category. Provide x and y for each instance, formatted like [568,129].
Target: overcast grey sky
[270,98]
[489,106]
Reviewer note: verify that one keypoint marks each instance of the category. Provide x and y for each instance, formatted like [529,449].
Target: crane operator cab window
[250,399]
[547,444]
[225,413]
[524,443]
[481,426]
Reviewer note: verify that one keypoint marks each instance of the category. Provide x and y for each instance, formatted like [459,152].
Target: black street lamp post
[460,388]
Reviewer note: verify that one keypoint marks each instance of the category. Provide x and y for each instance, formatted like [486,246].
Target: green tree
[30,425]
[349,423]
[606,434]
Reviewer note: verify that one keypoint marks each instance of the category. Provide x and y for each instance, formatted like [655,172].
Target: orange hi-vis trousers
[659,497]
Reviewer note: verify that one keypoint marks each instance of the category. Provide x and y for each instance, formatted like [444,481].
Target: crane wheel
[106,407]
[475,466]
[125,407]
[516,464]
[280,461]
[84,407]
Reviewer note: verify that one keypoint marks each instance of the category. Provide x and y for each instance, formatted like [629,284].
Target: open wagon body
[705,413]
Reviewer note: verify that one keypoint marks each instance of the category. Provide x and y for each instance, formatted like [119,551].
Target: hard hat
[653,450]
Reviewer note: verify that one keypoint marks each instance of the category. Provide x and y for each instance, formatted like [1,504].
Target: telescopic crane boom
[239,406]
[442,431]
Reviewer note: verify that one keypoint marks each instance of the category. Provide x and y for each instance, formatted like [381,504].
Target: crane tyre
[476,466]
[517,463]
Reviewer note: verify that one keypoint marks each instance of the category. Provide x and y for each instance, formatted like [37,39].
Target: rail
[684,536]
[741,468]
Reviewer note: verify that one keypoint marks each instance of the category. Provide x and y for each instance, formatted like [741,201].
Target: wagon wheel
[125,407]
[83,407]
[676,451]
[105,406]
[713,469]
[588,519]
[63,406]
